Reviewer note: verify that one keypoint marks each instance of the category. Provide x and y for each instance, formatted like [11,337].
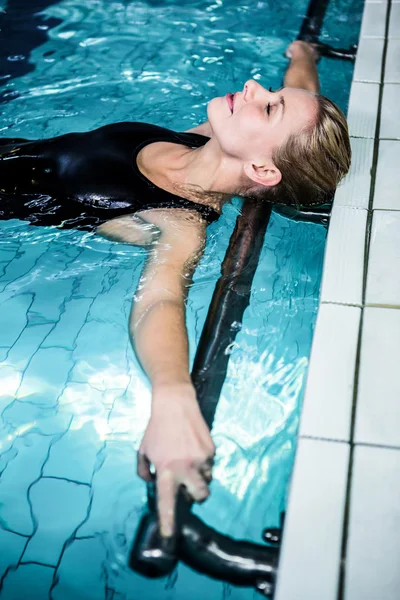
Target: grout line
[323,439]
[381,446]
[36,562]
[346,519]
[375,305]
[346,523]
[354,206]
[350,206]
[67,479]
[354,305]
[362,306]
[386,209]
[361,137]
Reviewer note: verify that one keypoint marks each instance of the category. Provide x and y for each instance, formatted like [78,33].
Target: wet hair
[312,162]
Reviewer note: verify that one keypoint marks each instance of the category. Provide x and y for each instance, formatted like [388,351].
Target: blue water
[74,403]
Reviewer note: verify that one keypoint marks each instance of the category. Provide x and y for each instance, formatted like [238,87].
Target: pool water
[74,402]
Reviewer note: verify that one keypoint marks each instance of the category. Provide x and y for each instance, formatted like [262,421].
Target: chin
[212,108]
[217,112]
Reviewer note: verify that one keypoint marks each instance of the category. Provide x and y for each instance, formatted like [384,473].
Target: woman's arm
[177,440]
[302,71]
[158,310]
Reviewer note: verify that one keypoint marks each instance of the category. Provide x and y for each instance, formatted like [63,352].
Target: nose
[252,89]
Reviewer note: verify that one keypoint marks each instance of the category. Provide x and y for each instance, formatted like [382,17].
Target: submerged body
[82,180]
[254,143]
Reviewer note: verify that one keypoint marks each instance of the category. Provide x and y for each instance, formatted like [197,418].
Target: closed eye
[268,108]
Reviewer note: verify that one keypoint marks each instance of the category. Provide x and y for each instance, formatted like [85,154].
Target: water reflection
[74,402]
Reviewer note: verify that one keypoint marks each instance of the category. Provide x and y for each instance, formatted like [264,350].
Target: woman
[163,188]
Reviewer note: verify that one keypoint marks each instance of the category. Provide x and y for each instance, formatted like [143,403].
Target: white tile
[378,406]
[342,280]
[368,65]
[387,183]
[363,109]
[394,25]
[310,556]
[328,399]
[355,189]
[392,67]
[383,280]
[373,548]
[374,20]
[390,113]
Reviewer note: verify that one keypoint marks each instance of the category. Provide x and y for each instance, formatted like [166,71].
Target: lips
[230,98]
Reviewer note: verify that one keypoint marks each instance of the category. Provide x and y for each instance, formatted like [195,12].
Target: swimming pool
[73,401]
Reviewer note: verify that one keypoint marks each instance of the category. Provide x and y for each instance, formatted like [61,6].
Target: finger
[166,499]
[209,462]
[206,473]
[205,468]
[143,467]
[196,485]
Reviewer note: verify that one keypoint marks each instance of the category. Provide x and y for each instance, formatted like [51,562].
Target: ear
[267,174]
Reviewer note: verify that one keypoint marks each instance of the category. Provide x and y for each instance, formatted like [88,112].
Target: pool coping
[347,432]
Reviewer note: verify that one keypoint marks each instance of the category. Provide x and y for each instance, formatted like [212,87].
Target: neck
[203,170]
[208,168]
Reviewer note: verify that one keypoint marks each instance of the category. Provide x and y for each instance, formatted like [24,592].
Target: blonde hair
[313,162]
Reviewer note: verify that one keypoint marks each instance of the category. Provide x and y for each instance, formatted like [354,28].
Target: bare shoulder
[182,236]
[180,226]
[185,230]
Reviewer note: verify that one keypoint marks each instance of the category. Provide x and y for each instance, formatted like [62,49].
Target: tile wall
[341,538]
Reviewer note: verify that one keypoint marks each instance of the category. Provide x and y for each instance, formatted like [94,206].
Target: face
[250,124]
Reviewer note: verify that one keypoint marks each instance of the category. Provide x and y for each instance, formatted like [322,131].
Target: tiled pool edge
[330,530]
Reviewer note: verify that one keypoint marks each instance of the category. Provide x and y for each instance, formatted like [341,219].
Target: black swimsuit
[80,180]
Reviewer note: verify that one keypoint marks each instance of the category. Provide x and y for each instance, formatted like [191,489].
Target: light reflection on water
[74,402]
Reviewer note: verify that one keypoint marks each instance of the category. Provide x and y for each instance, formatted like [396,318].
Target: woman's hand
[302,71]
[178,443]
[302,50]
